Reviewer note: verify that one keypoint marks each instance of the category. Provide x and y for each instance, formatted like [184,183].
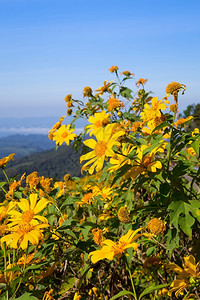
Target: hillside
[24,145]
[51,163]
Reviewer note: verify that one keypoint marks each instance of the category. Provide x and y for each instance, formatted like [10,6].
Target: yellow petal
[33,200]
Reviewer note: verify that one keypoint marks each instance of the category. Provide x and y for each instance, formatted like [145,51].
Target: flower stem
[131,278]
[4,172]
[171,132]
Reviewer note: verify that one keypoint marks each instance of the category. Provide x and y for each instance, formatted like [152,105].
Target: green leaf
[66,286]
[85,230]
[2,286]
[126,92]
[26,296]
[151,250]
[151,289]
[35,267]
[195,146]
[122,293]
[172,240]
[180,216]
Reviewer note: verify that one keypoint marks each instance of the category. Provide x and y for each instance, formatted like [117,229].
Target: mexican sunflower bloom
[174,87]
[186,275]
[114,103]
[30,211]
[141,81]
[102,148]
[154,109]
[97,122]
[111,249]
[127,73]
[87,91]
[144,163]
[113,69]
[64,135]
[156,226]
[105,88]
[5,160]
[22,234]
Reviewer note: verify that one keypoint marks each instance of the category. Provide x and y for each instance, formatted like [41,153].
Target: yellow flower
[104,88]
[189,272]
[183,121]
[102,148]
[5,209]
[57,125]
[87,91]
[98,236]
[22,234]
[68,98]
[13,186]
[5,160]
[114,103]
[105,192]
[119,160]
[127,73]
[30,210]
[174,87]
[141,81]
[195,132]
[144,163]
[113,69]
[191,151]
[123,215]
[60,186]
[48,295]
[3,229]
[77,296]
[154,110]
[173,107]
[156,226]
[111,249]
[105,215]
[86,199]
[64,134]
[97,122]
[32,179]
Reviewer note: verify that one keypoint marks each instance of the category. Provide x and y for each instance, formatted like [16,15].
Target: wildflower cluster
[123,229]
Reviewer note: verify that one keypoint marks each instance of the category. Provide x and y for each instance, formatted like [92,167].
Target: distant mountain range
[24,144]
[30,157]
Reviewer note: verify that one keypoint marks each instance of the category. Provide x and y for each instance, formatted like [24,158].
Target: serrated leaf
[122,293]
[180,216]
[126,92]
[172,241]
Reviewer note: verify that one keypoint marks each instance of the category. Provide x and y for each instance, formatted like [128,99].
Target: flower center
[24,228]
[147,160]
[28,215]
[98,124]
[100,148]
[64,135]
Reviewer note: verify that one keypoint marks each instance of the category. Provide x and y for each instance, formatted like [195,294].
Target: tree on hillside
[193,110]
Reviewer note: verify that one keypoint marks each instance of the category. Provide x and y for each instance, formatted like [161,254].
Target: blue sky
[50,48]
